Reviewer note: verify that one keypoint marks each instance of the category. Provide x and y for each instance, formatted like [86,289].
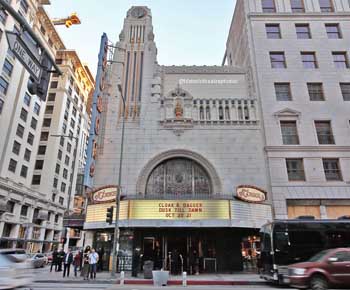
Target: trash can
[160,278]
[147,269]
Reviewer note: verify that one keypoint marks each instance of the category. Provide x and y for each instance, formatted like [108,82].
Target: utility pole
[117,200]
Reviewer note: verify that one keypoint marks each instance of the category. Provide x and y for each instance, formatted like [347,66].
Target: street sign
[24,54]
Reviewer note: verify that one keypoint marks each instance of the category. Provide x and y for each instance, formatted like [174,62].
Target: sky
[187,32]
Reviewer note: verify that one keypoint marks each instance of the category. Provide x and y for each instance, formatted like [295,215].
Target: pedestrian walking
[54,261]
[93,260]
[67,261]
[60,258]
[77,263]
[85,259]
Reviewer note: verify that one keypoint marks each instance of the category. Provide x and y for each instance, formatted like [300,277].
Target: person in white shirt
[93,260]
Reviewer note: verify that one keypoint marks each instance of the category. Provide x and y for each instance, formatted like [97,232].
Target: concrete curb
[150,282]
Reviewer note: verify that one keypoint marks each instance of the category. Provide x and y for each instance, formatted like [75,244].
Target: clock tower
[134,61]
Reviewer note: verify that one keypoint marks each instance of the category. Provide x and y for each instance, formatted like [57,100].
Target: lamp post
[117,200]
[73,172]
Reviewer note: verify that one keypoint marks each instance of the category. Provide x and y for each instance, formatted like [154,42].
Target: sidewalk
[44,276]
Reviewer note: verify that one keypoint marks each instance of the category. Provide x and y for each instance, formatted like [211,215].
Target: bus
[285,242]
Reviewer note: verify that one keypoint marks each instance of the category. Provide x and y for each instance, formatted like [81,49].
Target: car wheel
[318,283]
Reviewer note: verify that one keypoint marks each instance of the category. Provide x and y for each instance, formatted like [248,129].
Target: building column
[2,224]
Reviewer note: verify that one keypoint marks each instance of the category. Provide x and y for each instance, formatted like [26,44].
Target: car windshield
[319,256]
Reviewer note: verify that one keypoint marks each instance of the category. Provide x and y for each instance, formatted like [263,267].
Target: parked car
[14,269]
[38,260]
[327,268]
[49,257]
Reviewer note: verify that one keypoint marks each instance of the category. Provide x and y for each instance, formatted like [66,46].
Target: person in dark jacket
[135,262]
[54,261]
[67,261]
[85,258]
[60,258]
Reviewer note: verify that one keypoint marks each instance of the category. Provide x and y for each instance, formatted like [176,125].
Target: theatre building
[194,179]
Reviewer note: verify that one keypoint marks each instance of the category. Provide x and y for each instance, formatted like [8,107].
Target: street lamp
[117,200]
[73,172]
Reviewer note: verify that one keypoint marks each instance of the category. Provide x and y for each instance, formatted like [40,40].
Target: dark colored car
[327,268]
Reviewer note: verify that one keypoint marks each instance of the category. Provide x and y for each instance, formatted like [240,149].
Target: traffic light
[40,89]
[109,215]
[68,23]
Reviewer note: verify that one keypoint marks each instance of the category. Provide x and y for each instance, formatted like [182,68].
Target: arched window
[246,113]
[227,113]
[201,113]
[221,113]
[178,176]
[207,115]
[240,113]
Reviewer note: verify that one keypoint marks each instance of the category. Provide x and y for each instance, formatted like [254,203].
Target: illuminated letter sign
[95,115]
[104,194]
[251,194]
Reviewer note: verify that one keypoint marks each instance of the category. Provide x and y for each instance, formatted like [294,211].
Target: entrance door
[177,251]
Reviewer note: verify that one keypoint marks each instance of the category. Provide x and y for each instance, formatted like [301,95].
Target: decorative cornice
[298,15]
[298,148]
[202,70]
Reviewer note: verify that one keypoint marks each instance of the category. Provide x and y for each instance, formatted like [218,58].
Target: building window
[36,179]
[3,16]
[340,59]
[41,150]
[66,160]
[309,59]
[303,31]
[49,110]
[324,132]
[54,85]
[333,31]
[47,122]
[69,147]
[37,108]
[297,6]
[315,91]
[70,90]
[10,206]
[39,164]
[7,68]
[34,123]
[58,167]
[61,199]
[64,128]
[24,171]
[42,29]
[273,31]
[332,169]
[24,210]
[62,141]
[20,130]
[76,100]
[24,5]
[66,114]
[3,86]
[16,147]
[27,154]
[1,105]
[27,99]
[12,165]
[30,139]
[24,115]
[283,92]
[63,187]
[56,218]
[289,133]
[51,97]
[72,123]
[277,60]
[59,154]
[326,6]
[295,169]
[44,136]
[74,112]
[65,173]
[345,90]
[268,6]
[55,182]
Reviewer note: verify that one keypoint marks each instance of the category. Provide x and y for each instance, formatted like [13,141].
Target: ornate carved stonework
[178,153]
[202,69]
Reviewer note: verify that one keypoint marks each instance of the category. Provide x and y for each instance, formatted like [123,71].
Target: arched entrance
[180,177]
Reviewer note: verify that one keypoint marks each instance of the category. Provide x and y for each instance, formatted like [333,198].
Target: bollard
[122,277]
[184,279]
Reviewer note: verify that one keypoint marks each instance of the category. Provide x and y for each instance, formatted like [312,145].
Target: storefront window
[178,177]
